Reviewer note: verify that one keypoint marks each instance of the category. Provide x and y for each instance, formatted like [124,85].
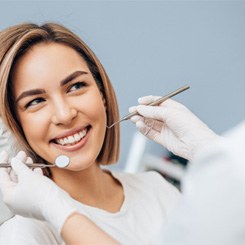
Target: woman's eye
[77,86]
[34,102]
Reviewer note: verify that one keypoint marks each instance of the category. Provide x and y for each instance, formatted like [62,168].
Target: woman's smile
[73,140]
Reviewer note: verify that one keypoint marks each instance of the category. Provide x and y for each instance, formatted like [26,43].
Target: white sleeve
[4,135]
[7,141]
[212,208]
[25,231]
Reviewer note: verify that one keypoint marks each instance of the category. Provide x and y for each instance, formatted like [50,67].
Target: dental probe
[157,102]
[30,165]
[61,161]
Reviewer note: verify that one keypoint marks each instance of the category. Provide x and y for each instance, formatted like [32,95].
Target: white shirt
[148,201]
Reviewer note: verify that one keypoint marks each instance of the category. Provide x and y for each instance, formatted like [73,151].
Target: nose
[63,113]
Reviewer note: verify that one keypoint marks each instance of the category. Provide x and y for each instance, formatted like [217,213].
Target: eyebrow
[72,76]
[42,91]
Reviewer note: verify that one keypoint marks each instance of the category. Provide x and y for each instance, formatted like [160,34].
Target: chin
[81,164]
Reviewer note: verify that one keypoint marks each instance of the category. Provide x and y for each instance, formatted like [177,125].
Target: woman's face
[59,105]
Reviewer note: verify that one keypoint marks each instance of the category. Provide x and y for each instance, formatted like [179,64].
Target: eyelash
[81,85]
[32,101]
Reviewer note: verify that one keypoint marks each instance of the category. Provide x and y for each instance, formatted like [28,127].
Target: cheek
[99,126]
[95,107]
[99,111]
[34,128]
[97,115]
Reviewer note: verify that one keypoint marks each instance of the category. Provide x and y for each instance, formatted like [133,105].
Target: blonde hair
[16,41]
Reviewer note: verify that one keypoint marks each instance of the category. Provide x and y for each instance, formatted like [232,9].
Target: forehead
[48,61]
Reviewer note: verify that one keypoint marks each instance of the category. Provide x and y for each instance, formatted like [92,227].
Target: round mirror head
[62,161]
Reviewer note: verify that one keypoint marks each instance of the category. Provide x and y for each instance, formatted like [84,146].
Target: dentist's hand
[33,195]
[172,125]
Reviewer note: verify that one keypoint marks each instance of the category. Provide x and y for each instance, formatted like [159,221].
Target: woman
[57,99]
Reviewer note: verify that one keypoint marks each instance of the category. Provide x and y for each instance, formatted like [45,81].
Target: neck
[91,186]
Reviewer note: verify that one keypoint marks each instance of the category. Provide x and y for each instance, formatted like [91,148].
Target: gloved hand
[172,125]
[33,195]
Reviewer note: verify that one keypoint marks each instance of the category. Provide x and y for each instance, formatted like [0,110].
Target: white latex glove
[172,125]
[7,140]
[33,195]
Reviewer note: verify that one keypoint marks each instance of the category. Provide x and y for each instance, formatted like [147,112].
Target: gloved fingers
[35,170]
[13,176]
[148,122]
[146,130]
[156,125]
[147,99]
[143,101]
[38,171]
[140,125]
[19,167]
[153,112]
[132,109]
[21,155]
[29,160]
[136,118]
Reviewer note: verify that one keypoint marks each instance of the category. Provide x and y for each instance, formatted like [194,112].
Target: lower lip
[79,145]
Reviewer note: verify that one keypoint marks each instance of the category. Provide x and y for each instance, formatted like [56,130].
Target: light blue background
[156,47]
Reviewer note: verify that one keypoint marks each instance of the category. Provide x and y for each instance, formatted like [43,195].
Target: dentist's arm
[172,125]
[212,207]
[30,194]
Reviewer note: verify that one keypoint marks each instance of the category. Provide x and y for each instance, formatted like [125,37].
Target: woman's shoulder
[20,230]
[150,186]
[148,180]
[148,177]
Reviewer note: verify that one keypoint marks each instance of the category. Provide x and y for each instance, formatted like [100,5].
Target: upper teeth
[72,138]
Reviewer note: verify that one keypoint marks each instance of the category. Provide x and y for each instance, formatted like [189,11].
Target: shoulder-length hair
[15,41]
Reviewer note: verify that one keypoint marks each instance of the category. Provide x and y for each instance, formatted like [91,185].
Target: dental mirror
[61,161]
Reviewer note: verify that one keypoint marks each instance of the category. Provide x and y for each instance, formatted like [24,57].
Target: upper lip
[69,132]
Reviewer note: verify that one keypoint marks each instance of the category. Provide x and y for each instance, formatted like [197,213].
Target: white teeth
[77,137]
[82,133]
[72,138]
[62,142]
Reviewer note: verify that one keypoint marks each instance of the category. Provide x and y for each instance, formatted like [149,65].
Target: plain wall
[155,47]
